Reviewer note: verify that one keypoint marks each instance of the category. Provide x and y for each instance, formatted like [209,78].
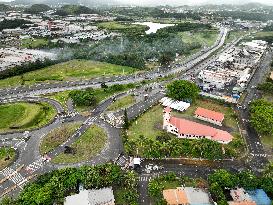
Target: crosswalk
[36,165]
[258,155]
[121,161]
[113,120]
[14,176]
[90,121]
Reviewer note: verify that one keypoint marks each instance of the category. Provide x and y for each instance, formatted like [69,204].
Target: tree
[126,120]
[83,97]
[223,178]
[166,58]
[247,180]
[37,8]
[262,116]
[103,85]
[182,90]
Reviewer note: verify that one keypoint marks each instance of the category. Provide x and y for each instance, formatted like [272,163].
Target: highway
[31,163]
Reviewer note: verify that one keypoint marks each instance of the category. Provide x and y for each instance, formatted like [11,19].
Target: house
[253,197]
[102,196]
[191,130]
[209,116]
[271,75]
[186,195]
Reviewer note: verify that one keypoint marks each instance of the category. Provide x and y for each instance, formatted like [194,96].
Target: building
[186,195]
[191,130]
[253,197]
[104,196]
[271,75]
[209,116]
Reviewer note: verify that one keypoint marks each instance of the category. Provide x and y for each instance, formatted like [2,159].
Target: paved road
[29,150]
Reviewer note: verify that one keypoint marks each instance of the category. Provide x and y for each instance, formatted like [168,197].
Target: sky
[195,2]
[181,2]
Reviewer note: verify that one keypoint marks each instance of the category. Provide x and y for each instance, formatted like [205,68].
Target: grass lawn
[87,146]
[234,35]
[150,123]
[58,136]
[71,70]
[61,97]
[7,155]
[100,94]
[205,38]
[122,103]
[22,116]
[122,27]
[34,43]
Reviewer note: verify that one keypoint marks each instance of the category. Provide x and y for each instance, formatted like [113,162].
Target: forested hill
[37,8]
[74,10]
[4,7]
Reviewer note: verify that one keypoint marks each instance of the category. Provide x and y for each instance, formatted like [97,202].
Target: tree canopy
[74,10]
[182,90]
[262,116]
[37,8]
[11,24]
[83,97]
[4,7]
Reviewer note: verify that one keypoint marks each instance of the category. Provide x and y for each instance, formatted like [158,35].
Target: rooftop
[217,116]
[193,128]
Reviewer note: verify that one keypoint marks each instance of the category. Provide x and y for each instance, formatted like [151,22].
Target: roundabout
[21,116]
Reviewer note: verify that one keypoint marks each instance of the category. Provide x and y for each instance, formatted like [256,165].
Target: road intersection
[30,163]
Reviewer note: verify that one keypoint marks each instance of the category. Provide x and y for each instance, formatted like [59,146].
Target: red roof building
[188,129]
[209,116]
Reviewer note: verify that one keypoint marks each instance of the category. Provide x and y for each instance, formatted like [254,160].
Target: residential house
[102,196]
[186,195]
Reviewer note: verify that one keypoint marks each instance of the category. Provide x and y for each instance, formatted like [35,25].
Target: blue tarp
[260,197]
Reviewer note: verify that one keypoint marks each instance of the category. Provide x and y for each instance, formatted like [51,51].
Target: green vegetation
[4,7]
[127,28]
[171,181]
[11,24]
[136,50]
[97,95]
[205,37]
[37,8]
[34,43]
[183,90]
[221,180]
[7,155]
[83,97]
[61,97]
[71,70]
[147,135]
[86,147]
[234,35]
[186,26]
[53,187]
[74,10]
[58,136]
[265,36]
[262,116]
[122,103]
[23,116]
